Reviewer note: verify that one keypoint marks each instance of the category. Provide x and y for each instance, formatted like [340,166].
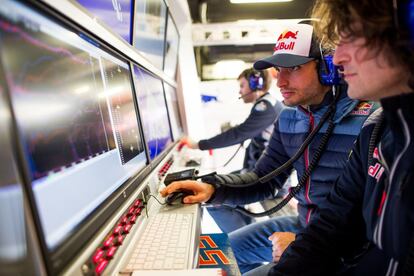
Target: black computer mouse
[177,197]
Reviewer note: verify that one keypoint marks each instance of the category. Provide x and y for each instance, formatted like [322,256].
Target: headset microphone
[242,96]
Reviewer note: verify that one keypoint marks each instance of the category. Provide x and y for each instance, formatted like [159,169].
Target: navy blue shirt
[258,127]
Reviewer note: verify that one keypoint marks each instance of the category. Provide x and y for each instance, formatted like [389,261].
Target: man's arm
[257,121]
[272,158]
[338,229]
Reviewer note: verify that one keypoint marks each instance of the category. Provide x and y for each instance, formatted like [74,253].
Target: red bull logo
[287,35]
[281,43]
[363,108]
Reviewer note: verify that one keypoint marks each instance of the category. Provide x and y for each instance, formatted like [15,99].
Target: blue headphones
[256,80]
[328,72]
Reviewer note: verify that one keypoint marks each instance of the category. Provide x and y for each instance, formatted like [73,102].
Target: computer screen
[117,14]
[171,48]
[149,29]
[75,114]
[173,111]
[16,256]
[151,102]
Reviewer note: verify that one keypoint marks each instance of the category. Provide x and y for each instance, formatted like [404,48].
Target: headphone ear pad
[320,69]
[256,81]
[253,82]
[328,72]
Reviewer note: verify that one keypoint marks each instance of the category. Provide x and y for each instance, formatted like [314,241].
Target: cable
[295,190]
[330,112]
[159,202]
[232,157]
[145,202]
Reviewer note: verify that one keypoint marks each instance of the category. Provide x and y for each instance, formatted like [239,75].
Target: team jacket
[290,131]
[258,127]
[373,202]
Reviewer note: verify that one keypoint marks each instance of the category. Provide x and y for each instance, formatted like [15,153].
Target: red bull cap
[295,45]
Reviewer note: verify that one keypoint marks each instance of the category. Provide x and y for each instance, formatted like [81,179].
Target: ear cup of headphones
[321,71]
[328,72]
[256,81]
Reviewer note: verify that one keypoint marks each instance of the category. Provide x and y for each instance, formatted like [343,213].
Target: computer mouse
[177,197]
[192,163]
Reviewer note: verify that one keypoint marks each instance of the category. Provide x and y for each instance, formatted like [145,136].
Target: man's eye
[277,69]
[295,68]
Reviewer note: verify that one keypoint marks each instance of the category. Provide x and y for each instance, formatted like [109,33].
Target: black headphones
[328,72]
[256,80]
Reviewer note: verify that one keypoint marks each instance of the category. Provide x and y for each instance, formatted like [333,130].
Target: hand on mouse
[202,191]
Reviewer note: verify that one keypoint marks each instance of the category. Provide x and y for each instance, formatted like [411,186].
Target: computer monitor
[149,29]
[173,111]
[19,250]
[153,111]
[171,48]
[117,14]
[77,124]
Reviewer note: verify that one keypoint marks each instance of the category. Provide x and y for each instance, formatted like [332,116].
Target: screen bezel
[164,85]
[134,29]
[157,159]
[169,16]
[33,260]
[57,259]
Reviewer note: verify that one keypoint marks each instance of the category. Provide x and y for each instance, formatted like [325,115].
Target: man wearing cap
[298,58]
[257,127]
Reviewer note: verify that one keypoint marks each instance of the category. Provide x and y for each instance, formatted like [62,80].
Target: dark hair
[267,80]
[372,20]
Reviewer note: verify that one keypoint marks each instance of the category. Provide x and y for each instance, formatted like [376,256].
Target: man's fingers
[193,199]
[171,188]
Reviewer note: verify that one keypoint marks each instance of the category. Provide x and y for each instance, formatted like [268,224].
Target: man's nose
[340,56]
[282,79]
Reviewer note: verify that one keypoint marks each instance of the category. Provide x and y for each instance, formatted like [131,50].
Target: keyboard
[169,242]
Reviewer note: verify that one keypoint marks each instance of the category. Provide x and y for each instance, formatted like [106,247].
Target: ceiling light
[257,1]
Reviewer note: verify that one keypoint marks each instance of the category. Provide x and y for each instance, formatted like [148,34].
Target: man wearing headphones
[301,64]
[370,209]
[258,127]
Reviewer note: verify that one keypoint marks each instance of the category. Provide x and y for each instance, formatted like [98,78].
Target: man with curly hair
[369,215]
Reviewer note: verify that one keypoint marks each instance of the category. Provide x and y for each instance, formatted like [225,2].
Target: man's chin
[287,103]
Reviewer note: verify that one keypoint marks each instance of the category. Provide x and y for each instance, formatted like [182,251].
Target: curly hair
[371,19]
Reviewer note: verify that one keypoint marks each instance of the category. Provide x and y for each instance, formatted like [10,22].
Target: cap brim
[281,60]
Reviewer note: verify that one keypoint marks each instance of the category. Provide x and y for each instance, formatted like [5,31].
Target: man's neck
[259,94]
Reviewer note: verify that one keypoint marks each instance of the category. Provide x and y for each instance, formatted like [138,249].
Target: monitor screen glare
[76,117]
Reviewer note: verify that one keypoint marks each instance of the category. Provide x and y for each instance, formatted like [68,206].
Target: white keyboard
[164,244]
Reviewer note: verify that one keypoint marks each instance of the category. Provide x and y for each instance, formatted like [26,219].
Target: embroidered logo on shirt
[376,170]
[260,106]
[363,108]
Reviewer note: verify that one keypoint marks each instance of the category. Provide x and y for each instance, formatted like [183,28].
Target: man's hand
[202,191]
[186,141]
[280,241]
